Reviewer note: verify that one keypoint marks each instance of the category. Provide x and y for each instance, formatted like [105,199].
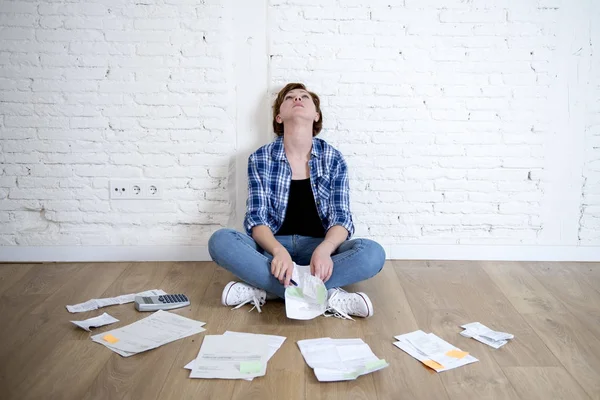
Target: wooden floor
[553,309]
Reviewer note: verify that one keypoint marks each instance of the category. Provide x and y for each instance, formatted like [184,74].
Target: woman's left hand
[321,264]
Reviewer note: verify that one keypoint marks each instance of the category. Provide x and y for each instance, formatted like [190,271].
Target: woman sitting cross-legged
[298,211]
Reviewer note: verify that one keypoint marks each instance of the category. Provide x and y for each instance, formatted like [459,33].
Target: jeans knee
[219,241]
[376,256]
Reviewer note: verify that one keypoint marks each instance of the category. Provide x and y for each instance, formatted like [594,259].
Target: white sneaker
[342,304]
[240,293]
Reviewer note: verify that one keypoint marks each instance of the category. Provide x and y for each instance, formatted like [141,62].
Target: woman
[298,211]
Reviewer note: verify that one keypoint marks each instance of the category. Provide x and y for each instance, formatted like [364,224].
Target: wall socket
[135,189]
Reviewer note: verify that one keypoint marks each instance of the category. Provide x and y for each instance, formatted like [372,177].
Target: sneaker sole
[226,292]
[369,304]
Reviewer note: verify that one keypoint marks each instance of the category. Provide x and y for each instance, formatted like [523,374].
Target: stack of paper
[339,359]
[160,328]
[307,300]
[433,351]
[94,304]
[485,335]
[234,355]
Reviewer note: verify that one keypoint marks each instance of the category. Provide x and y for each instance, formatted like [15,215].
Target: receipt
[96,322]
[94,304]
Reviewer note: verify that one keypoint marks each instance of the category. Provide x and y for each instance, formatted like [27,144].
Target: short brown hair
[277,127]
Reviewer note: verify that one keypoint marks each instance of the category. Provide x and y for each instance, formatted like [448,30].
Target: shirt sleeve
[256,205]
[339,205]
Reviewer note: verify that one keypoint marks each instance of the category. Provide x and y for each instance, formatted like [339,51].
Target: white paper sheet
[486,335]
[339,359]
[158,329]
[308,300]
[274,343]
[231,357]
[96,322]
[429,347]
[94,304]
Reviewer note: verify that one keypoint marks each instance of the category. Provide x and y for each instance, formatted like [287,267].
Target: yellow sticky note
[457,354]
[433,365]
[110,338]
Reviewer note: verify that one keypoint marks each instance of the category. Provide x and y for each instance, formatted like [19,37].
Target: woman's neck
[297,141]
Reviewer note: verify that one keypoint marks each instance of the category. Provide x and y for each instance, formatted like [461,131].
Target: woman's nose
[298,98]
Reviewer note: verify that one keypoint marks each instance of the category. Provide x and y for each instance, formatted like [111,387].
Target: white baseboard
[200,253]
[493,253]
[102,253]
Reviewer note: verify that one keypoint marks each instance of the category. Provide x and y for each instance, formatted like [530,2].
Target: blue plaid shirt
[270,176]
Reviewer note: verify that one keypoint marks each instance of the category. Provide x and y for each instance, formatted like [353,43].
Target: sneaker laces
[252,296]
[339,306]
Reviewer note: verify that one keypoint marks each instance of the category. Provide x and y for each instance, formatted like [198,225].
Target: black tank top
[301,216]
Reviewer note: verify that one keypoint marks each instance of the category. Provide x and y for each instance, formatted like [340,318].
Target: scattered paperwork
[433,351]
[273,343]
[339,359]
[234,355]
[308,300]
[96,322]
[159,328]
[485,335]
[94,304]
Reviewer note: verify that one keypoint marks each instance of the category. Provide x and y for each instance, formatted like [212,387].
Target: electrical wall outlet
[135,189]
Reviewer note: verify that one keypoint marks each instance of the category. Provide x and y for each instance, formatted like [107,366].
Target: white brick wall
[446,110]
[589,224]
[94,91]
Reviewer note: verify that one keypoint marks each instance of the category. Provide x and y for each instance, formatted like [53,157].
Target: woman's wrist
[278,250]
[329,245]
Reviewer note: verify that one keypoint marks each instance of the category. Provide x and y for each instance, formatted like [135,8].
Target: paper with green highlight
[339,359]
[308,300]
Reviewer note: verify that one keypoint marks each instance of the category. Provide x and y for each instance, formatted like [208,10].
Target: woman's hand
[282,266]
[321,264]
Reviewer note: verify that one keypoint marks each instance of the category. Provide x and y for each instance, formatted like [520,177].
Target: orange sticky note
[110,338]
[433,365]
[457,354]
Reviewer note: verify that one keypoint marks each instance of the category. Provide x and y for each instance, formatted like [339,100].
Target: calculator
[162,302]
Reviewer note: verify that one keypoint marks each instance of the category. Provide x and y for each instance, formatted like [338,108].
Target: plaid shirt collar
[278,152]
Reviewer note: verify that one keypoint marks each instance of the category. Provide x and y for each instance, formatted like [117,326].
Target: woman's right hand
[282,266]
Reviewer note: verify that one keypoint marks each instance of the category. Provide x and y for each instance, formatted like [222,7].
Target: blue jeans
[354,261]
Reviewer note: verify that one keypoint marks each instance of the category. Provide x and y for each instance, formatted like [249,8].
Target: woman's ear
[317,118]
[278,119]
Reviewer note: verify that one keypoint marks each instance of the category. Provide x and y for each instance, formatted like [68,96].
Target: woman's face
[297,104]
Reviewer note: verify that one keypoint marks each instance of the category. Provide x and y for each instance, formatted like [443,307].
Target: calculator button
[161,299]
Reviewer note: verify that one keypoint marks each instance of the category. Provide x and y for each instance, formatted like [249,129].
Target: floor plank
[12,273]
[544,383]
[523,290]
[89,281]
[574,344]
[573,290]
[42,279]
[65,373]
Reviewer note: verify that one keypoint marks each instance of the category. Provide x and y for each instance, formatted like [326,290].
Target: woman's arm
[264,237]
